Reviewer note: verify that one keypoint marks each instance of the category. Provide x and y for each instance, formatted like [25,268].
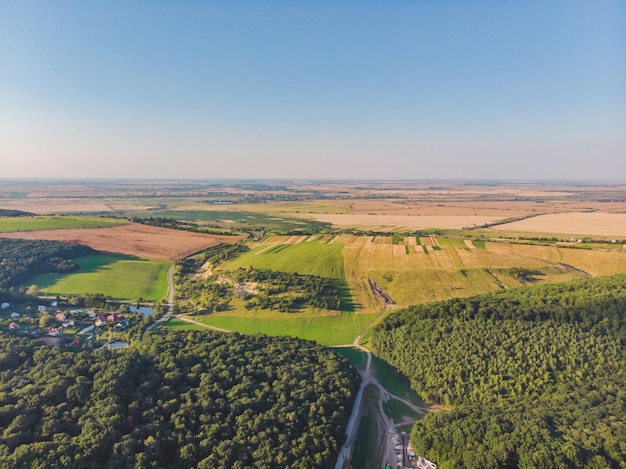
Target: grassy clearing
[400,411]
[180,325]
[326,330]
[356,357]
[394,382]
[12,224]
[365,451]
[121,278]
[457,243]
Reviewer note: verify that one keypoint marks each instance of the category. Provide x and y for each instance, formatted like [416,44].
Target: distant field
[234,218]
[575,223]
[12,224]
[404,222]
[120,277]
[135,240]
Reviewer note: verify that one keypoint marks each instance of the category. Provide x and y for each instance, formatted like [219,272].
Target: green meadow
[121,278]
[11,224]
[326,330]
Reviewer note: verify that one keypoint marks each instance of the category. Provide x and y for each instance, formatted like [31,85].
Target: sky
[420,89]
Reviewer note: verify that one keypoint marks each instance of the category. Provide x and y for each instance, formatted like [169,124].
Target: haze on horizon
[359,90]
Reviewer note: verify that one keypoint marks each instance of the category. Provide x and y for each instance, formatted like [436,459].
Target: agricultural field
[121,278]
[574,224]
[12,224]
[134,240]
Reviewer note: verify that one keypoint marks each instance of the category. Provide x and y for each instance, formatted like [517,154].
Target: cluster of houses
[66,319]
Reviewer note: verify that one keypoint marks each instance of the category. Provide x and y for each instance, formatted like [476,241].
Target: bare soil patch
[135,240]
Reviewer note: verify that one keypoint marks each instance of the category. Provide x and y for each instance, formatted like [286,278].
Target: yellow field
[575,223]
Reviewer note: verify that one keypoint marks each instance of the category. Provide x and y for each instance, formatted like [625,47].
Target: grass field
[326,330]
[356,357]
[180,325]
[309,258]
[122,278]
[11,224]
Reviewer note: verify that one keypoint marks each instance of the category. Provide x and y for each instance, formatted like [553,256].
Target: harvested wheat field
[575,223]
[136,240]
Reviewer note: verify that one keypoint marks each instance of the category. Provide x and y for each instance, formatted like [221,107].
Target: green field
[308,258]
[326,330]
[120,277]
[356,357]
[12,224]
[180,325]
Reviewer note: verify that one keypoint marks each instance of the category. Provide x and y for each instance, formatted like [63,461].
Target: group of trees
[202,400]
[535,376]
[21,259]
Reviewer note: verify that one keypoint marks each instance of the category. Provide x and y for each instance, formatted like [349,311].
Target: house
[54,332]
[14,326]
[68,323]
[113,317]
[101,320]
[54,304]
[76,341]
[41,308]
[59,317]
[91,314]
[5,305]
[15,315]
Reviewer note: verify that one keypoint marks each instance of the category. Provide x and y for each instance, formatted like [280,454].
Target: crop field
[122,278]
[12,224]
[134,240]
[576,223]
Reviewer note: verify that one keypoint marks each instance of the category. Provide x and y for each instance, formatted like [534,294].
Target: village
[59,324]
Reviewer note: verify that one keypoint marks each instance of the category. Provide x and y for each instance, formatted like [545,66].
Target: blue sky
[325,89]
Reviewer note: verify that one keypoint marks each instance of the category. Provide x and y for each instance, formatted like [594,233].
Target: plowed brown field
[136,240]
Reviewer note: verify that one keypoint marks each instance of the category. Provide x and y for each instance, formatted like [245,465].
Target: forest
[21,259]
[533,377]
[198,399]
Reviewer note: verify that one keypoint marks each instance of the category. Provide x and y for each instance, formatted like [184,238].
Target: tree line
[21,259]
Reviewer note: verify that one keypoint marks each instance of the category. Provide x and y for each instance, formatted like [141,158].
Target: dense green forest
[21,259]
[536,376]
[198,399]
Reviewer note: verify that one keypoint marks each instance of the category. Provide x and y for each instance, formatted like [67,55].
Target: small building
[54,304]
[113,317]
[5,305]
[68,323]
[54,332]
[41,308]
[59,317]
[76,341]
[14,326]
[91,314]
[15,315]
